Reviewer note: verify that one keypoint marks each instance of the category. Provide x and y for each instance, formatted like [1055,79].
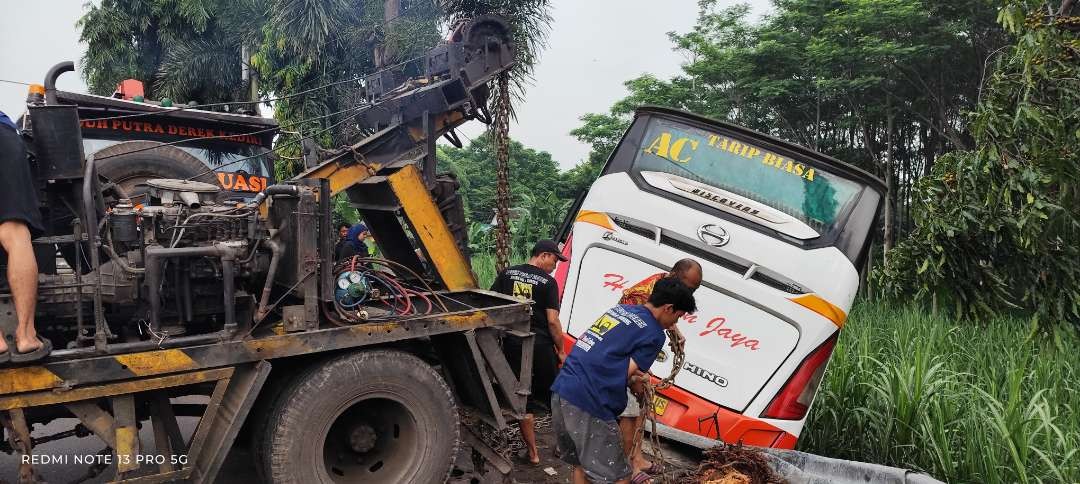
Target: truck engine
[180,264]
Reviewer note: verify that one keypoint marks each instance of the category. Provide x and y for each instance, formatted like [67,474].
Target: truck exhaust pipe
[50,80]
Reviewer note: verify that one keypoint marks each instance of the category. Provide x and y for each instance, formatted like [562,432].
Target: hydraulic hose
[264,300]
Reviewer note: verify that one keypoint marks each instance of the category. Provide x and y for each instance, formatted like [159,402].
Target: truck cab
[231,150]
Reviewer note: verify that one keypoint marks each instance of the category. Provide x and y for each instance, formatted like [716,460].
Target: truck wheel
[371,416]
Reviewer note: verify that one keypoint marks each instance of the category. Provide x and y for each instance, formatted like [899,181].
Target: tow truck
[168,295]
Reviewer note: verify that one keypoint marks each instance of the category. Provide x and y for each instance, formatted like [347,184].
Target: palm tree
[530,22]
[182,50]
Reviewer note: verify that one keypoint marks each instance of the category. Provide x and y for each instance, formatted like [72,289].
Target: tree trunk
[384,54]
[890,189]
[817,121]
[502,172]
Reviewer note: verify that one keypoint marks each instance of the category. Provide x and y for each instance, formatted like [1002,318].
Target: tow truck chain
[507,442]
[502,180]
[647,403]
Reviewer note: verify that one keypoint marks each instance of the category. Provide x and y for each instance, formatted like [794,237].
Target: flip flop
[654,469]
[5,357]
[42,352]
[642,478]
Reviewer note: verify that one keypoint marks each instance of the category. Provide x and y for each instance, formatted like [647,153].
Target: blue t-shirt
[593,378]
[6,121]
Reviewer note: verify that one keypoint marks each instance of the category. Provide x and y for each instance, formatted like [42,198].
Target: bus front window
[721,163]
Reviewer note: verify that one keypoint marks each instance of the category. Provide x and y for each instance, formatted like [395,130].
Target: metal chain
[647,404]
[502,181]
[507,442]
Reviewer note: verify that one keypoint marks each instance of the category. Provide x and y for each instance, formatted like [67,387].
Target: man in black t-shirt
[533,280]
[20,220]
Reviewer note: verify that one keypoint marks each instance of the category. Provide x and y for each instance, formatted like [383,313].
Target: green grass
[986,402]
[484,267]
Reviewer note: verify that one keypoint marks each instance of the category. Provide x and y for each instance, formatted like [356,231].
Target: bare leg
[528,434]
[628,430]
[579,475]
[22,275]
[638,460]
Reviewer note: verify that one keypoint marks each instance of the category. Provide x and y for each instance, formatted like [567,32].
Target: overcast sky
[595,46]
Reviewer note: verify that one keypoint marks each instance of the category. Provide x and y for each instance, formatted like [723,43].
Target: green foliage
[998,227]
[308,44]
[483,265]
[343,210]
[963,403]
[882,84]
[192,50]
[540,195]
[602,132]
[534,175]
[185,50]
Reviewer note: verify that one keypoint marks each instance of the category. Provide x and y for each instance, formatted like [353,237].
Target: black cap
[547,245]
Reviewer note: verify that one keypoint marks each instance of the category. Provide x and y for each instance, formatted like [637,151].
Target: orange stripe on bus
[825,308]
[595,218]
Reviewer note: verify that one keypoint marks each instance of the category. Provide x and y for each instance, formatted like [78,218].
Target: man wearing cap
[19,221]
[533,280]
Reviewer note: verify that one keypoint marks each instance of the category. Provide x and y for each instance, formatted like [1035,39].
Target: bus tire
[131,163]
[368,416]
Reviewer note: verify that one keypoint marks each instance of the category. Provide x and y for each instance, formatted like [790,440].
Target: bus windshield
[803,191]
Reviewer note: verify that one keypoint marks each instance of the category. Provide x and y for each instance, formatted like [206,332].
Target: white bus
[781,232]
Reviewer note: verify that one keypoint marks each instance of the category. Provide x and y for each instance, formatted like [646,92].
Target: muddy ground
[554,470]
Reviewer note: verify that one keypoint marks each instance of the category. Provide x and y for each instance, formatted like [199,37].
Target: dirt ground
[676,455]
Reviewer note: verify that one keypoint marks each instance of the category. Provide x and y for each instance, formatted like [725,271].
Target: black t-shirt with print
[530,282]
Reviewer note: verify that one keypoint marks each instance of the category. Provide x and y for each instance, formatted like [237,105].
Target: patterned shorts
[586,441]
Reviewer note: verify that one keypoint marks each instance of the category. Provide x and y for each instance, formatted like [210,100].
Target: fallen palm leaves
[733,464]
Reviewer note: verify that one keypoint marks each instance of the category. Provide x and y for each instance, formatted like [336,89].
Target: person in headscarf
[358,242]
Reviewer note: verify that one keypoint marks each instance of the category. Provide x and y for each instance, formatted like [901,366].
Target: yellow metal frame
[430,227]
[50,397]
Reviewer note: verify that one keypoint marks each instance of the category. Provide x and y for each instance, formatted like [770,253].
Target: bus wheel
[370,416]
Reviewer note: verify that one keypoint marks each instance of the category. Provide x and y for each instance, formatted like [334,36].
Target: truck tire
[133,162]
[375,416]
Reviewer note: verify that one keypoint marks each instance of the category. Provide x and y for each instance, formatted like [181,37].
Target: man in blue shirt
[20,219]
[590,391]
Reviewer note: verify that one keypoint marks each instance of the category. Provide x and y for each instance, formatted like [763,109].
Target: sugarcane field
[540,241]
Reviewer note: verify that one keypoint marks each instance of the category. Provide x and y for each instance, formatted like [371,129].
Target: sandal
[642,478]
[5,357]
[35,355]
[654,469]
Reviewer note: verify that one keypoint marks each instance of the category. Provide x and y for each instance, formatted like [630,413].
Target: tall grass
[992,402]
[483,265]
